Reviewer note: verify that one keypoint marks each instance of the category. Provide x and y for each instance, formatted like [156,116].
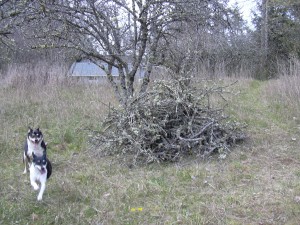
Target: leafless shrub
[172,120]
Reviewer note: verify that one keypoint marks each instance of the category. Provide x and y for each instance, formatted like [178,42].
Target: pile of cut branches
[171,120]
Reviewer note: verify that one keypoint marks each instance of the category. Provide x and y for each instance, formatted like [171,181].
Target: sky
[245,7]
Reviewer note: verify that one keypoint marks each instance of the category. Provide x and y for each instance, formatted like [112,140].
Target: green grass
[256,184]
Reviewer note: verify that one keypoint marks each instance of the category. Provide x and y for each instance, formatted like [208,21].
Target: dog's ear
[38,129]
[29,130]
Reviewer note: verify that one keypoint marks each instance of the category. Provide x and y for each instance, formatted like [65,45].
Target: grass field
[258,182]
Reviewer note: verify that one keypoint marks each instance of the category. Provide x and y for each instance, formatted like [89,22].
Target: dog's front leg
[33,181]
[25,163]
[43,186]
[34,185]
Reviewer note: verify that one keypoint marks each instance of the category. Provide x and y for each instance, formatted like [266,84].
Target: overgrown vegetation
[174,119]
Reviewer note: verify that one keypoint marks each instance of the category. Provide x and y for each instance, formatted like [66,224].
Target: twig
[199,133]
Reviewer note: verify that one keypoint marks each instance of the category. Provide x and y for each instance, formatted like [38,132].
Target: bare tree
[10,12]
[112,33]
[5,20]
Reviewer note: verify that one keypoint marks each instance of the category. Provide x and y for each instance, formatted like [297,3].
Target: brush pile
[172,120]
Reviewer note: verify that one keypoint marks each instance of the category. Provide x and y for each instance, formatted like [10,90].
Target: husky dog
[34,143]
[40,170]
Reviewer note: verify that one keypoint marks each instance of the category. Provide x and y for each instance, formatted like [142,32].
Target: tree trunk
[263,73]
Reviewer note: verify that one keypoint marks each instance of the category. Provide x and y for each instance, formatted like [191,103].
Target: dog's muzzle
[43,170]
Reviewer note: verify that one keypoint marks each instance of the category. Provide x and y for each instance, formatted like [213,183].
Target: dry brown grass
[40,73]
[285,91]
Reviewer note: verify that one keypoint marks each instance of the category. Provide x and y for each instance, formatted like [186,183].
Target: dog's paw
[40,198]
[25,171]
[35,186]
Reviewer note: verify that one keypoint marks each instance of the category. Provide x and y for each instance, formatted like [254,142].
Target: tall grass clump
[22,75]
[285,90]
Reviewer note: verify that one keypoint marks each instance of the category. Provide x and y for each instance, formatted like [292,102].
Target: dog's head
[40,162]
[35,136]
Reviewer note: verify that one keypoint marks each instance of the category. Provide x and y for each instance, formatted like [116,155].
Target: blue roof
[87,68]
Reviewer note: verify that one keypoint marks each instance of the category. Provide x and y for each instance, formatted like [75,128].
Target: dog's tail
[49,168]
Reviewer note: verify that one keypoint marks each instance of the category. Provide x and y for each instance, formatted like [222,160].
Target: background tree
[211,39]
[279,28]
[15,21]
[9,17]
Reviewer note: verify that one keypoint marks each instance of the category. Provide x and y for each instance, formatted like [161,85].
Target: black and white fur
[34,143]
[40,170]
